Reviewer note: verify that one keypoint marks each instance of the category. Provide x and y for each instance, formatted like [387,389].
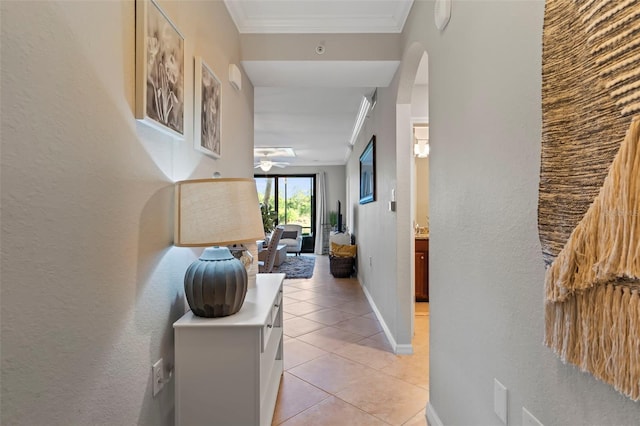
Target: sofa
[292,238]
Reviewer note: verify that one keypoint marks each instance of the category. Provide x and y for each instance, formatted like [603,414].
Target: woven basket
[341,267]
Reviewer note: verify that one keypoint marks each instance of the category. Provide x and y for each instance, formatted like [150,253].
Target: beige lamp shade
[217,212]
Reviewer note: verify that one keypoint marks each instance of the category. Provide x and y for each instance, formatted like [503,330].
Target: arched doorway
[406,183]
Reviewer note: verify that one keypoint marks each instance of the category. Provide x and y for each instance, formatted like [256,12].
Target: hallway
[339,367]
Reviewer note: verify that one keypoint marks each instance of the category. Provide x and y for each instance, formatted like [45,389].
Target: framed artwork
[159,70]
[206,110]
[368,172]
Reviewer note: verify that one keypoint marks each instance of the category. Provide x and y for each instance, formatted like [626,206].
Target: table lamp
[216,212]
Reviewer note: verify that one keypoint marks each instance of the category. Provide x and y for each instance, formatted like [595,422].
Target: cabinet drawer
[268,359]
[274,320]
[422,245]
[275,310]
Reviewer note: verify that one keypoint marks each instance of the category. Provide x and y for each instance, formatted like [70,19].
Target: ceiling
[319,16]
[311,105]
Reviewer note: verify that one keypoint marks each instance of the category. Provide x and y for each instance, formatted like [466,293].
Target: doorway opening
[412,107]
[292,200]
[420,186]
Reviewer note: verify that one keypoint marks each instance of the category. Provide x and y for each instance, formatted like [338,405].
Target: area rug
[589,197]
[297,267]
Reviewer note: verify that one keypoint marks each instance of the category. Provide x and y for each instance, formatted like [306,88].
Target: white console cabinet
[228,369]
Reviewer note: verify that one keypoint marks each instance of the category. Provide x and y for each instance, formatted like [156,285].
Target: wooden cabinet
[228,369]
[422,270]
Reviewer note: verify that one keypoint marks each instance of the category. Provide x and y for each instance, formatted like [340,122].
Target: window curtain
[321,246]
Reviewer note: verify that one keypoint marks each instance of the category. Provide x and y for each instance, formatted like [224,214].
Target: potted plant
[333,219]
[269,217]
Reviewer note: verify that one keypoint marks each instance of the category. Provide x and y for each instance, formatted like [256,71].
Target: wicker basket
[341,267]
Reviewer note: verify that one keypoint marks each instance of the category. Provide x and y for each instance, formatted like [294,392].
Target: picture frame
[207,109]
[368,172]
[159,70]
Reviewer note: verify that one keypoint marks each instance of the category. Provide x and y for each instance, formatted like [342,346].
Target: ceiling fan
[266,153]
[265,164]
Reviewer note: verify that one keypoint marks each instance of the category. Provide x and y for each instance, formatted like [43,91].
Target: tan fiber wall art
[589,199]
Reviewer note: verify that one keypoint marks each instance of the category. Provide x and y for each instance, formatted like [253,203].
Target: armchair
[267,265]
[292,238]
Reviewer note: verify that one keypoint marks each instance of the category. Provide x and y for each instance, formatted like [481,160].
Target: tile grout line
[326,290]
[380,370]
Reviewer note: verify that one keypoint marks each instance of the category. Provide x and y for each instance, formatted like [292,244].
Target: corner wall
[486,268]
[91,283]
[373,224]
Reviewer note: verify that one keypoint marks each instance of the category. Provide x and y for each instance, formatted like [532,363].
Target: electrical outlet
[157,376]
[500,400]
[528,419]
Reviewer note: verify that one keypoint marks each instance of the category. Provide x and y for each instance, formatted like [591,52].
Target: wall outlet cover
[500,400]
[157,376]
[528,419]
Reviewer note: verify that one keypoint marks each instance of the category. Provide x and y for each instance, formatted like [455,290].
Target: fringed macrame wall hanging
[589,199]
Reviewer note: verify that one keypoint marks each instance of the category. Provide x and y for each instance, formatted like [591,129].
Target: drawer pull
[269,325]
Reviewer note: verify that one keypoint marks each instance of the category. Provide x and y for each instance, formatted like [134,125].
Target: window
[292,197]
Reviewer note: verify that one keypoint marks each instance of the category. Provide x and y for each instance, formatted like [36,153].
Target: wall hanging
[589,198]
[159,70]
[368,172]
[207,94]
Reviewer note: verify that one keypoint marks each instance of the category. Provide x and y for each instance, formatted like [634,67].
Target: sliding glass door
[292,198]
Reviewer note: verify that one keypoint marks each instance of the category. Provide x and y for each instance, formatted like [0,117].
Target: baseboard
[404,349]
[432,416]
[397,349]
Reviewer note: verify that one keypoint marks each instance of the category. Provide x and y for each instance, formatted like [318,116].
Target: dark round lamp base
[216,284]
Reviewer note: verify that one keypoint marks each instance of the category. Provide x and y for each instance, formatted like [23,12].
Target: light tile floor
[339,367]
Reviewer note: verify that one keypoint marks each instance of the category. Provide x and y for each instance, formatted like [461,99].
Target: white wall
[486,268]
[422,191]
[373,223]
[91,283]
[420,101]
[338,47]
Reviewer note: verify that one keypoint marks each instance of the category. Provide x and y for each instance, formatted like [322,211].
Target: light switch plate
[157,376]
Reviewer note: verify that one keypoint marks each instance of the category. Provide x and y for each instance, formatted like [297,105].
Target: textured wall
[372,223]
[420,101]
[339,47]
[486,267]
[422,191]
[91,283]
